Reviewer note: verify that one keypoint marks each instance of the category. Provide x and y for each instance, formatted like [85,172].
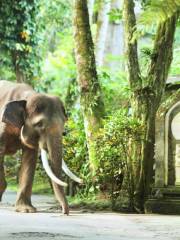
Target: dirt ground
[47,225]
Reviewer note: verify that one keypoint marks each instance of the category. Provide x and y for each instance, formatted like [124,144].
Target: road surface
[47,225]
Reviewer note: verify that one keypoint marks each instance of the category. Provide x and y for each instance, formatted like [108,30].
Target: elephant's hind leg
[3,183]
[26,176]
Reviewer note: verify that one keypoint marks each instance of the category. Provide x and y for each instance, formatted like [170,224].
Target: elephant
[33,122]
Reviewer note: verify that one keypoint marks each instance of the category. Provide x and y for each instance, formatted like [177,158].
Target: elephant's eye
[38,124]
[40,108]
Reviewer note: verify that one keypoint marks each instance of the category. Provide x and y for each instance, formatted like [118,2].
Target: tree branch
[131,47]
[162,54]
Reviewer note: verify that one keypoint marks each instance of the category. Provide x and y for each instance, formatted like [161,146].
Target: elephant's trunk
[54,147]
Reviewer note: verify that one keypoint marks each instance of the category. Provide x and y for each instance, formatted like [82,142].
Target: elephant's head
[41,119]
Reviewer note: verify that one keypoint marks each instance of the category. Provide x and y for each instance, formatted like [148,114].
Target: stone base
[163,206]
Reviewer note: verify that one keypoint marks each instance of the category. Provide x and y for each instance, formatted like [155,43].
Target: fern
[154,13]
[157,11]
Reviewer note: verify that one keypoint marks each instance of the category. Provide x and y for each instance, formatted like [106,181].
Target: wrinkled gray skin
[43,118]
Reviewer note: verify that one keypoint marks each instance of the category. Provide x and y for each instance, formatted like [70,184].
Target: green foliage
[158,11]
[12,166]
[146,53]
[75,142]
[58,68]
[175,66]
[115,15]
[145,56]
[115,89]
[55,19]
[113,153]
[154,12]
[42,183]
[18,35]
[89,203]
[56,14]
[75,152]
[112,146]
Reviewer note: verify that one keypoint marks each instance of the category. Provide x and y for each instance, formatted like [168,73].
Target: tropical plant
[19,38]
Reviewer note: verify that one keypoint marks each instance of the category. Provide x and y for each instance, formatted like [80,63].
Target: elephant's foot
[2,188]
[1,196]
[65,209]
[24,208]
[24,205]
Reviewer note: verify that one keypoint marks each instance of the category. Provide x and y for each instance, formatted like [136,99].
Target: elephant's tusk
[48,169]
[23,139]
[70,174]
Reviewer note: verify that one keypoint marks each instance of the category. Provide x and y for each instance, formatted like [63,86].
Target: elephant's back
[10,91]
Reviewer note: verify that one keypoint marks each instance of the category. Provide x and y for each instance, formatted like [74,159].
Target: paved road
[46,225]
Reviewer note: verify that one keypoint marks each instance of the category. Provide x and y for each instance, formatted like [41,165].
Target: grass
[39,186]
[89,204]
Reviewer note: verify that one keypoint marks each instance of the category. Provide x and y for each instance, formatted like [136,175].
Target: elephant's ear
[64,112]
[14,113]
[61,108]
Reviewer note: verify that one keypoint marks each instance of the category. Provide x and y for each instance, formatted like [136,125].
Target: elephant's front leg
[3,183]
[26,176]
[60,196]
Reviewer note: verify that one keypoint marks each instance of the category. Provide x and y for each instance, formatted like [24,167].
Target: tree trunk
[20,77]
[146,97]
[90,91]
[142,152]
[102,26]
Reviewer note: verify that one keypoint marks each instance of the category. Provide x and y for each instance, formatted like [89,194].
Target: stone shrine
[165,196]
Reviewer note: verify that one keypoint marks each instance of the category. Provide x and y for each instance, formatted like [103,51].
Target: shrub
[76,154]
[114,154]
